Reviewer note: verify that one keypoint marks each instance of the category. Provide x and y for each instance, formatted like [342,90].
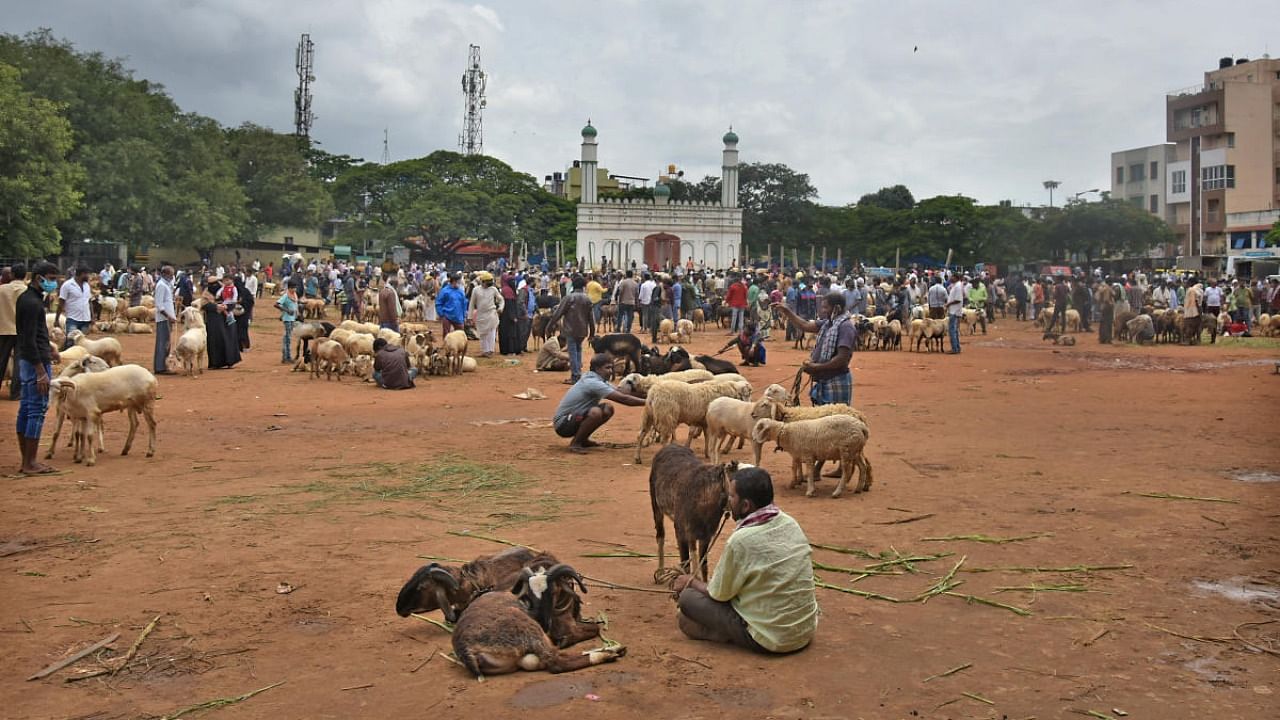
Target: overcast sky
[988,99]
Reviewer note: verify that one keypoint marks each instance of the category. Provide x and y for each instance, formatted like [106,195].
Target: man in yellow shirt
[761,595]
[595,293]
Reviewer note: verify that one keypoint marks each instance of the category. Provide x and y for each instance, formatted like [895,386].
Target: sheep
[455,348]
[449,588]
[1140,330]
[85,364]
[811,442]
[1073,320]
[108,349]
[728,418]
[108,306]
[469,364]
[1121,323]
[57,337]
[137,313]
[86,397]
[669,405]
[973,318]
[502,632]
[354,343]
[699,319]
[313,308]
[139,328]
[890,334]
[330,357]
[391,336]
[695,497]
[684,328]
[666,328]
[932,332]
[192,344]
[715,365]
[305,333]
[638,385]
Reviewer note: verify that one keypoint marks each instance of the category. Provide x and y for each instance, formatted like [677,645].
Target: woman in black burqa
[223,344]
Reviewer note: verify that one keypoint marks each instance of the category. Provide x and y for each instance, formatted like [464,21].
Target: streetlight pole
[1050,185]
[1085,192]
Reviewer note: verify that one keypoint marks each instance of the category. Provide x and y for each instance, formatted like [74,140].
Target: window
[1240,240]
[1231,140]
[1218,177]
[1120,175]
[1154,206]
[1211,210]
[1155,170]
[1136,201]
[1135,173]
[1178,184]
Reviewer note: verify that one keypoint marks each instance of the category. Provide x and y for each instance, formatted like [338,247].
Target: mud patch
[1253,476]
[1239,590]
[739,697]
[549,693]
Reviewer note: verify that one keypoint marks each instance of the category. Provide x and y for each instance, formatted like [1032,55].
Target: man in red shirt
[735,296]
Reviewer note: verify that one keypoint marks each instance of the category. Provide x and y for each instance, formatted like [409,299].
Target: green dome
[730,138]
[588,131]
[661,189]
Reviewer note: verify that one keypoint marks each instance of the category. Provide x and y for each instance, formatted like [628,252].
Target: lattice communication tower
[471,139]
[302,115]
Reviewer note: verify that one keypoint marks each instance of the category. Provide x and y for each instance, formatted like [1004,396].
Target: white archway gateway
[707,232]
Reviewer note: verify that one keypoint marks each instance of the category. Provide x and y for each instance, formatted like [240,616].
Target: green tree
[281,188]
[39,186]
[326,166]
[1102,229]
[441,201]
[1273,236]
[897,197]
[154,176]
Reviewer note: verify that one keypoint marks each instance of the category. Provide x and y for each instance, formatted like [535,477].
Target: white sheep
[192,350]
[729,418]
[812,442]
[84,364]
[86,397]
[108,349]
[670,405]
[684,328]
[638,385]
[455,348]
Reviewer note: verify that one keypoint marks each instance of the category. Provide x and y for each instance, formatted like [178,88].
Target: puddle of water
[1239,589]
[1253,476]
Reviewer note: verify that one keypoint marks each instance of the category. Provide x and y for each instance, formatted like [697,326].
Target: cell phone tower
[302,115]
[471,139]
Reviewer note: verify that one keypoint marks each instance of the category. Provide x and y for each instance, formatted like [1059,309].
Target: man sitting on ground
[391,366]
[761,596]
[551,358]
[749,346]
[581,411]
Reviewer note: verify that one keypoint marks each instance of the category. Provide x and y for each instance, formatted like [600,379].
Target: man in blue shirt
[451,305]
[581,411]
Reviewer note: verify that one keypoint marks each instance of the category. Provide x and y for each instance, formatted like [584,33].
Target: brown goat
[451,588]
[694,496]
[502,632]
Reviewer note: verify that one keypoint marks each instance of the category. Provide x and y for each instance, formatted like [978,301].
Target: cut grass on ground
[452,488]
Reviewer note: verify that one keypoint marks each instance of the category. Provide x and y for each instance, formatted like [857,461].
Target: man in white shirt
[75,295]
[648,312]
[165,319]
[955,308]
[251,285]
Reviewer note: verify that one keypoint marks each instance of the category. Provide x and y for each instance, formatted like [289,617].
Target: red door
[661,250]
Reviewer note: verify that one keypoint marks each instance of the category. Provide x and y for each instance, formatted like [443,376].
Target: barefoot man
[581,411]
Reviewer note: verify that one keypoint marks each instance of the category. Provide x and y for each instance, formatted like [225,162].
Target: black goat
[716,366]
[620,345]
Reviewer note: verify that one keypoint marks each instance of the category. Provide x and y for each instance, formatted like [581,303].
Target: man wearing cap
[486,304]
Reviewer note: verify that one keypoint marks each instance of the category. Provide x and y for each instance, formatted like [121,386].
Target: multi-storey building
[1226,165]
[1138,176]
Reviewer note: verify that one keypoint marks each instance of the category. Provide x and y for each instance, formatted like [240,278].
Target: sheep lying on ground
[638,385]
[670,405]
[137,313]
[812,442]
[86,397]
[108,349]
[1059,339]
[694,496]
[500,632]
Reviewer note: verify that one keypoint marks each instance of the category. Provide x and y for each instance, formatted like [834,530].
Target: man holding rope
[761,595]
[828,366]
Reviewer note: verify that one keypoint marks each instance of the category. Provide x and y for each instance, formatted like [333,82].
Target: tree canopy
[39,186]
[444,200]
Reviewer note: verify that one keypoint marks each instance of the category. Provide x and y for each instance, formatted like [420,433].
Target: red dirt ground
[265,476]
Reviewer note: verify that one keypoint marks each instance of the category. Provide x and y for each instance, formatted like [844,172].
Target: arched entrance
[661,250]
